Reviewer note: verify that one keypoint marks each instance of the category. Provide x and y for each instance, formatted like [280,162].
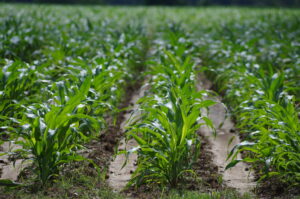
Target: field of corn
[67,75]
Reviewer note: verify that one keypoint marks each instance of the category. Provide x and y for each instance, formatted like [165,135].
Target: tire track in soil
[238,177]
[118,176]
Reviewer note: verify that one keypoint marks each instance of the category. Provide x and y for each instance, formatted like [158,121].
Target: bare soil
[240,176]
[120,174]
[10,169]
[101,151]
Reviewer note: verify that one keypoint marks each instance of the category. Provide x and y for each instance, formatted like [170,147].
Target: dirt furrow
[238,177]
[118,176]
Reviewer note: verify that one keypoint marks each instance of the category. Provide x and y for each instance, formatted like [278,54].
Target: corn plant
[17,86]
[257,74]
[272,120]
[51,135]
[166,130]
[167,136]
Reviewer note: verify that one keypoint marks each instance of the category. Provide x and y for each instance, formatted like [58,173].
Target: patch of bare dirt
[10,168]
[238,177]
[275,188]
[103,149]
[120,174]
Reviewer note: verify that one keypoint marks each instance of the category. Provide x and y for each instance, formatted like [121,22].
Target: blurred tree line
[169,2]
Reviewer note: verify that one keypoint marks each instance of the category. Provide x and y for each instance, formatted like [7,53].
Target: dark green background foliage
[170,2]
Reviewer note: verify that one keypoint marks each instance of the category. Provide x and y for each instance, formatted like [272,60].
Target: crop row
[170,115]
[59,82]
[255,65]
[64,73]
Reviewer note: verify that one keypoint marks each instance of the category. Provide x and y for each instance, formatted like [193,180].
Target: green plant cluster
[255,65]
[170,115]
[63,73]
[61,77]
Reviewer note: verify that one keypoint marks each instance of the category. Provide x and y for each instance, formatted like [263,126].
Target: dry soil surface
[238,177]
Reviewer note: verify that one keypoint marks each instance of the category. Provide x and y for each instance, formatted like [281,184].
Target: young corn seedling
[274,140]
[272,120]
[166,130]
[51,135]
[167,136]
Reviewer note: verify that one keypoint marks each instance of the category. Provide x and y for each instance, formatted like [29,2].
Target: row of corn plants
[63,72]
[255,65]
[56,94]
[170,114]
